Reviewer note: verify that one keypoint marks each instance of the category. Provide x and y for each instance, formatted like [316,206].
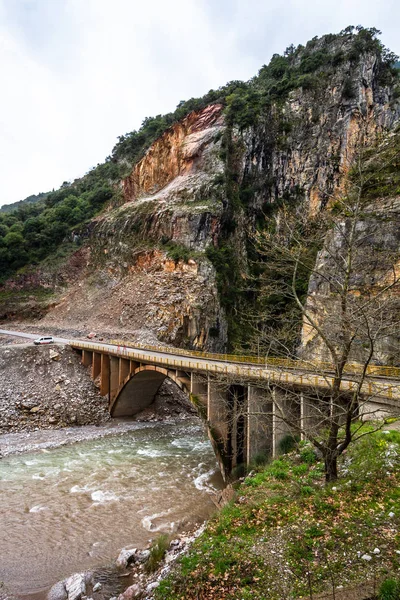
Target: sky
[76,74]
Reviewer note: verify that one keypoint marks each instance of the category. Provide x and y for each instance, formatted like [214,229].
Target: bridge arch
[139,389]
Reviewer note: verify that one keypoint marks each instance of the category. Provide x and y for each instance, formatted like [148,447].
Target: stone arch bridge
[241,402]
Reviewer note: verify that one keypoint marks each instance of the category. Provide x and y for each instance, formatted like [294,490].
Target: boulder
[76,586]
[58,592]
[132,591]
[125,557]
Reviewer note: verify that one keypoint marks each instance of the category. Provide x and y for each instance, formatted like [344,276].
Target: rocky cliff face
[174,263]
[149,276]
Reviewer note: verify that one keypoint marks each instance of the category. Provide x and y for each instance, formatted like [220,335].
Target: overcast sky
[75,74]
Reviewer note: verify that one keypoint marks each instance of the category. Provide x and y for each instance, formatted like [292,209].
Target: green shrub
[239,471]
[260,459]
[308,456]
[288,443]
[389,590]
[157,553]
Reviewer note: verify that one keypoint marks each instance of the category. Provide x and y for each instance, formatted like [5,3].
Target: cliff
[172,257]
[148,274]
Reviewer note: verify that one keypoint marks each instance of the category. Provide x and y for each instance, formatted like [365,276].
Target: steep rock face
[306,147]
[373,299]
[149,276]
[181,151]
[169,265]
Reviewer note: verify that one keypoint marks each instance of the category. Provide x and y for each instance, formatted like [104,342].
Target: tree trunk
[331,473]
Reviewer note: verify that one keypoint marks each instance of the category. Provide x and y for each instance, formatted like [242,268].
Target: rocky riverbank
[46,387]
[129,577]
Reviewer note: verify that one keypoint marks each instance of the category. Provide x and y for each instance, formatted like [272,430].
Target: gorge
[261,220]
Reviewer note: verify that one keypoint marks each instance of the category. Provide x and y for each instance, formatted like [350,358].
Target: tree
[350,314]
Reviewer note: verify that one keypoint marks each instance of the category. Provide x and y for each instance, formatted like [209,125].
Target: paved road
[31,336]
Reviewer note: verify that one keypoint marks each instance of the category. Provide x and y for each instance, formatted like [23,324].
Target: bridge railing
[268,361]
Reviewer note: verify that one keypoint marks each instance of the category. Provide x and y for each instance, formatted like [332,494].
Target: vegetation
[288,536]
[157,552]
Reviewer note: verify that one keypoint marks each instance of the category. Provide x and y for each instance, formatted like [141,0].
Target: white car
[44,340]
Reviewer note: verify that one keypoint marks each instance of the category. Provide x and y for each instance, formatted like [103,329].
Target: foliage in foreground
[287,534]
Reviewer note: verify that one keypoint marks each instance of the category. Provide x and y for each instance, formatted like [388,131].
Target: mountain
[157,243]
[29,200]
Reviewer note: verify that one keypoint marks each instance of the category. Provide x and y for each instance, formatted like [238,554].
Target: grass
[157,552]
[288,532]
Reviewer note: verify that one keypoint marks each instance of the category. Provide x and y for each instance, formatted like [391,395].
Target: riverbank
[288,535]
[46,387]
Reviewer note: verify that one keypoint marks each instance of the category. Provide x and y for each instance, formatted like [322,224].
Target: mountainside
[166,237]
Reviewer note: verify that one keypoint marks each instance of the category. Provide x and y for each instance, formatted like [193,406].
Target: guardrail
[269,361]
[372,387]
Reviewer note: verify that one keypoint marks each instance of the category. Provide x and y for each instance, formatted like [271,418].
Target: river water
[71,508]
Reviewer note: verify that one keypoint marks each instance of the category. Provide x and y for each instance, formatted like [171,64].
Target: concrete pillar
[124,369]
[313,413]
[218,414]
[185,379]
[286,407]
[87,357]
[96,365]
[105,375]
[133,365]
[199,392]
[114,376]
[259,422]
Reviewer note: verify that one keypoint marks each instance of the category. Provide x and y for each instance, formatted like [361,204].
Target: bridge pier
[199,392]
[105,375]
[285,410]
[124,370]
[114,376]
[259,432]
[96,365]
[87,357]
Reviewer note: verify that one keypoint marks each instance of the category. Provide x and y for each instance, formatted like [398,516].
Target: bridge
[242,399]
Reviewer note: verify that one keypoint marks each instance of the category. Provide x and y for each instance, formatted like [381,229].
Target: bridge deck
[373,386]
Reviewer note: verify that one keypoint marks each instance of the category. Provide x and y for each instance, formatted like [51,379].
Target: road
[30,336]
[373,385]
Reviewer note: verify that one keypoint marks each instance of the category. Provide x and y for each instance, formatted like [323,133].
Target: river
[73,507]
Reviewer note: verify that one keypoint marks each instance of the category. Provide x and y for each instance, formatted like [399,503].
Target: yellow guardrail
[287,363]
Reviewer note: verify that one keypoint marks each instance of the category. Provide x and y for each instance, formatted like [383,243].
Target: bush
[157,553]
[260,459]
[288,443]
[308,456]
[389,590]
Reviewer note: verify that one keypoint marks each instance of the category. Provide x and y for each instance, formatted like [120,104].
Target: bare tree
[339,274]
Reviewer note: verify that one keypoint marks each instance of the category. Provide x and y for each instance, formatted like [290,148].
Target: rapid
[73,507]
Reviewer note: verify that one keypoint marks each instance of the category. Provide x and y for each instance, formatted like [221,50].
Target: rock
[75,586]
[58,592]
[29,404]
[142,556]
[91,335]
[131,592]
[34,409]
[97,586]
[125,557]
[366,557]
[152,586]
[53,420]
[376,551]
[54,355]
